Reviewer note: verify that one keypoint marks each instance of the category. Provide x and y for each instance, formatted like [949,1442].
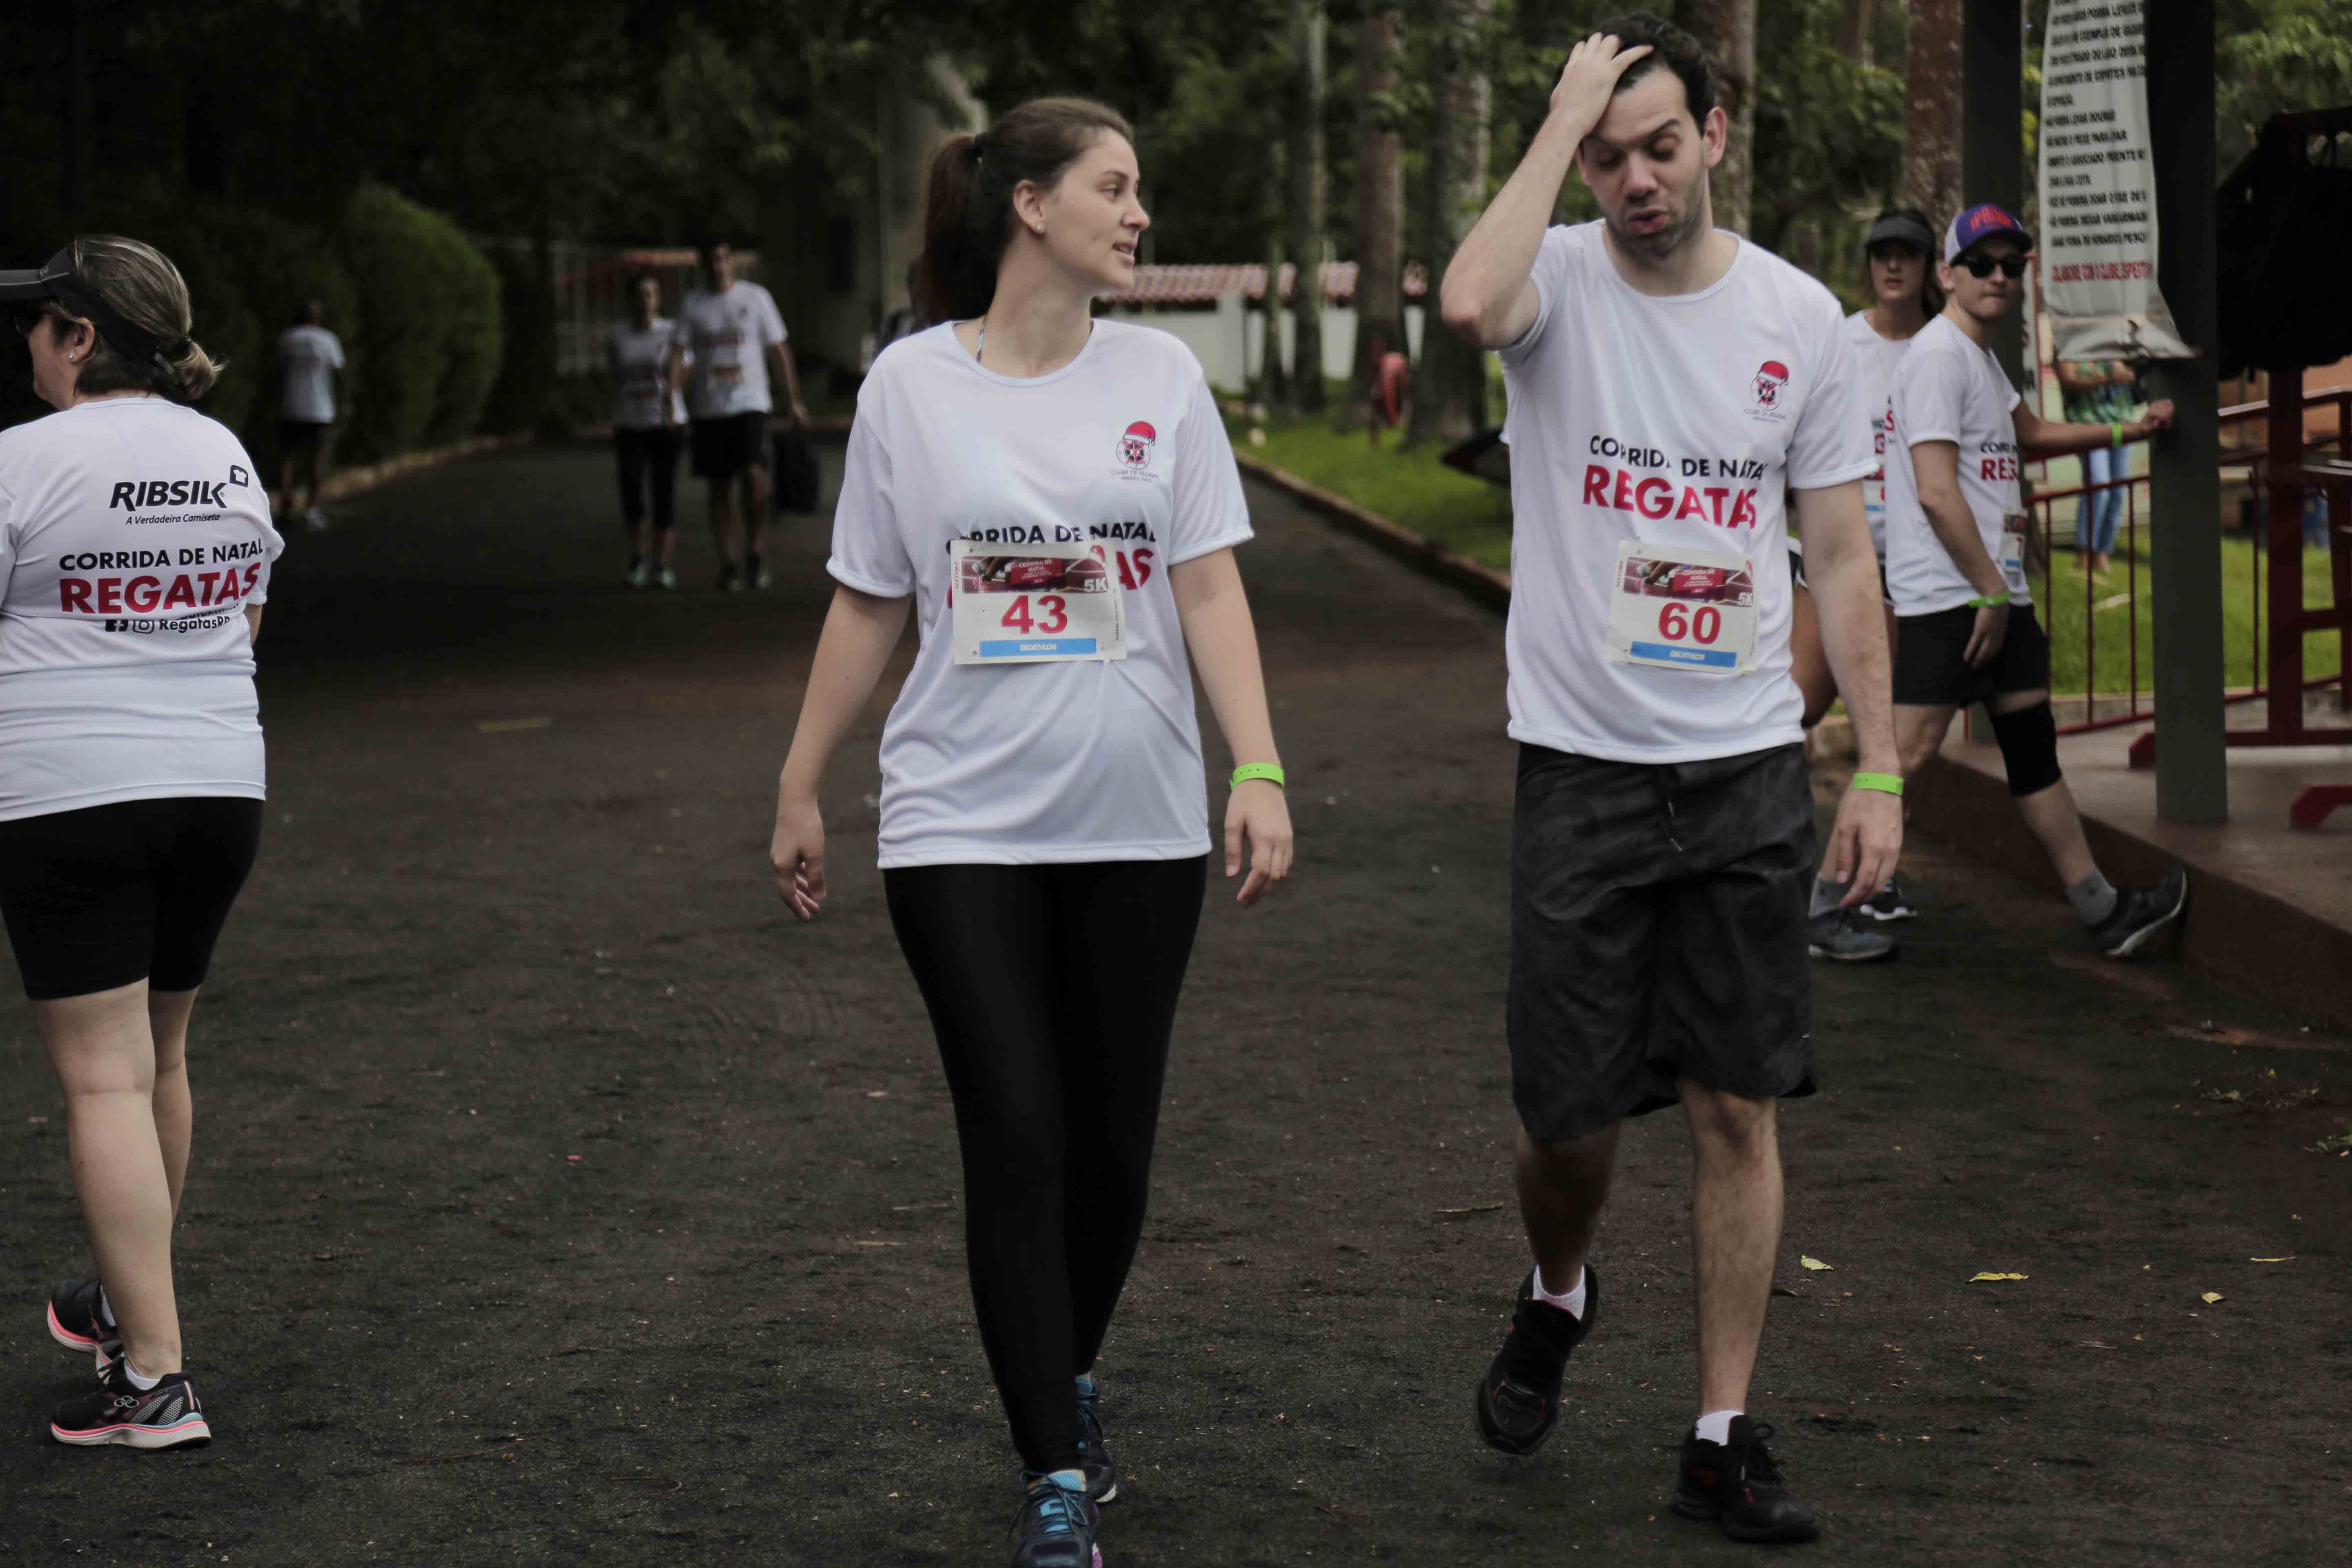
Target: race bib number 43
[1674,608]
[1022,604]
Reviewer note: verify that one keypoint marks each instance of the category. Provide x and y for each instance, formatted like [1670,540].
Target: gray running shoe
[665,578]
[1844,936]
[2139,913]
[1094,1451]
[640,574]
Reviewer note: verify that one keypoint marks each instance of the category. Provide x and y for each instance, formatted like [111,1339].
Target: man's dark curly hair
[1670,47]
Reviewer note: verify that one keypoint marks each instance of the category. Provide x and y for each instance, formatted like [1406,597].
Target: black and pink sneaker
[165,1416]
[78,1320]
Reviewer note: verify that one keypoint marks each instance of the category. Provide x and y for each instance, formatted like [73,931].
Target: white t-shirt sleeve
[1209,512]
[1832,443]
[771,320]
[869,548]
[1929,389]
[1550,275]
[334,350]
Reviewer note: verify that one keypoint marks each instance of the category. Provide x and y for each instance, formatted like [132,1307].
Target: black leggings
[1052,989]
[648,460]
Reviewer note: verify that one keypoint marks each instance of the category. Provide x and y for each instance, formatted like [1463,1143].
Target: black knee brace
[2028,748]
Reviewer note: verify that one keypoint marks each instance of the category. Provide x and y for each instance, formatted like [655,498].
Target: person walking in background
[2098,392]
[1054,499]
[135,548]
[648,362]
[733,347]
[308,356]
[1955,530]
[1900,248]
[1674,391]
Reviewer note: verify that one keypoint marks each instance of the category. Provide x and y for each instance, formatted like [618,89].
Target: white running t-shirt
[1875,358]
[1121,451]
[729,334]
[134,532]
[639,362]
[308,357]
[1680,420]
[1949,389]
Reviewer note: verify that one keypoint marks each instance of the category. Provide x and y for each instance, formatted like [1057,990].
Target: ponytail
[968,203]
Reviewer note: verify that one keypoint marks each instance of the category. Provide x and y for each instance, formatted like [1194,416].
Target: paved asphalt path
[556,1199]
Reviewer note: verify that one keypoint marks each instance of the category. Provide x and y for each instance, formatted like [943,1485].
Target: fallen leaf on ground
[2288,1258]
[1784,1290]
[1974,1278]
[2210,1296]
[1816,1263]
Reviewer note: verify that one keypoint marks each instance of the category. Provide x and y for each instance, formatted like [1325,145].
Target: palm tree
[1379,207]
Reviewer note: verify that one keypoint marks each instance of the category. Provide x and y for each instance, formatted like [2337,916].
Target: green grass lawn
[1412,488]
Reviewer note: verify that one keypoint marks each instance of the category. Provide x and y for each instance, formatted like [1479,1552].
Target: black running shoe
[1093,1452]
[1519,1399]
[2139,913]
[730,579]
[1891,902]
[165,1416]
[1843,936]
[78,1321]
[1738,1485]
[758,574]
[1056,1527]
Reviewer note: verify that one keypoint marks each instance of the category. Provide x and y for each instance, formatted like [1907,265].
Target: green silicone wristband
[1886,784]
[1987,604]
[2114,433]
[1266,770]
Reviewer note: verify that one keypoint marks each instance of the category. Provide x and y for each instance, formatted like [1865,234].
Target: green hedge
[429,327]
[416,304]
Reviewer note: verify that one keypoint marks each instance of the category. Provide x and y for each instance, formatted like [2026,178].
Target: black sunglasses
[2012,265]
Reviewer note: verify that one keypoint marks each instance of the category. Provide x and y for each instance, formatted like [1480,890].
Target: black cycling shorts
[1658,933]
[139,889]
[1931,666]
[725,447]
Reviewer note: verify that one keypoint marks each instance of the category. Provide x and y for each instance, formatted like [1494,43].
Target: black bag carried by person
[795,473]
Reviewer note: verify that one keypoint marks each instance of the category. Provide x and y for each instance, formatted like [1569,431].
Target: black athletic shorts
[135,891]
[302,437]
[1931,666]
[1658,933]
[725,447]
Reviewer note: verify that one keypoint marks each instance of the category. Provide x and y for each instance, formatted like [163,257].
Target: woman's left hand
[1258,812]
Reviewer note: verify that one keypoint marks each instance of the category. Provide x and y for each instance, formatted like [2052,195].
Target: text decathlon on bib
[1016,603]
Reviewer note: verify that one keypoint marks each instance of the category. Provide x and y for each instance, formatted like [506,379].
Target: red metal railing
[2131,703]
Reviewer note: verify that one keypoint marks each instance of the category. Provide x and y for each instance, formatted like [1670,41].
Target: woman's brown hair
[967,211]
[147,292]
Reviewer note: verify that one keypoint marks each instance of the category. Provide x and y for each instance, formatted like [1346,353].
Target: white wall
[1230,338]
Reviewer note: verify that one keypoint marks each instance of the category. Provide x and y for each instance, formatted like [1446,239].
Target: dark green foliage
[426,346]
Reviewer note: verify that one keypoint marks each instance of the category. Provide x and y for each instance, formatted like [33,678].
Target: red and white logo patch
[1771,378]
[1135,446]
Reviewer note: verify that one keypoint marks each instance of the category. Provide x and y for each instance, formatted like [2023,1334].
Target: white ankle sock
[1572,1302]
[105,1310]
[1715,1426]
[137,1379]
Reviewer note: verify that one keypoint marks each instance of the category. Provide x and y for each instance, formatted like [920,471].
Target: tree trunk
[1450,402]
[1380,210]
[1309,31]
[1726,30]
[1934,92]
[1273,385]
[1857,19]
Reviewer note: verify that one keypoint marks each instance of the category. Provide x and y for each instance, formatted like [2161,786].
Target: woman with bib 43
[1055,500]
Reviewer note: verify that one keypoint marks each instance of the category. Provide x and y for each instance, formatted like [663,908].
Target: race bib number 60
[1675,608]
[1025,605]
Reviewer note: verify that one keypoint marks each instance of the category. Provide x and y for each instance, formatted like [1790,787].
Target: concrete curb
[2236,934]
[1430,559]
[368,476]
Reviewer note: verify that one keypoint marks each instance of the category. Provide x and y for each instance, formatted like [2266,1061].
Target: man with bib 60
[1956,529]
[1669,385]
